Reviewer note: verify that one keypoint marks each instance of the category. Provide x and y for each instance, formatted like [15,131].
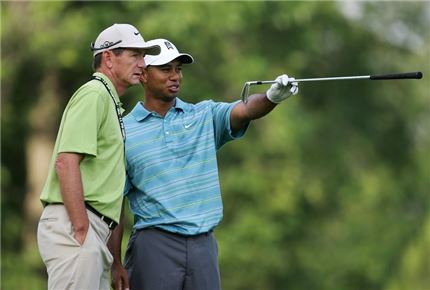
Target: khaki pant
[69,264]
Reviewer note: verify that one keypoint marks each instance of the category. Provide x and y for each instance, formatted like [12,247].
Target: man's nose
[141,61]
[175,75]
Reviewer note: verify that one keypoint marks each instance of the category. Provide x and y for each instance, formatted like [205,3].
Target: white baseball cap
[122,36]
[168,53]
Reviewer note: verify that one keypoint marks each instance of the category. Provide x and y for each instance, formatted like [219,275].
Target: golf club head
[245,92]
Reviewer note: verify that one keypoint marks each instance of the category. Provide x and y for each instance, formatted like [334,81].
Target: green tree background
[330,191]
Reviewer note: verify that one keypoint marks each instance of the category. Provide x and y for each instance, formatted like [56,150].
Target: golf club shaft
[410,75]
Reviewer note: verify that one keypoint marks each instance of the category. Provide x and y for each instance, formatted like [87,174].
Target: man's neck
[159,106]
[120,89]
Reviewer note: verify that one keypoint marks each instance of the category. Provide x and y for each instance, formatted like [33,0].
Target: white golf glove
[282,89]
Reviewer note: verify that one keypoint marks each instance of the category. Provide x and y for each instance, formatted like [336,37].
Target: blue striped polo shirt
[173,181]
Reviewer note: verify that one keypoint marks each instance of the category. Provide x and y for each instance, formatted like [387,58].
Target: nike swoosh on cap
[136,33]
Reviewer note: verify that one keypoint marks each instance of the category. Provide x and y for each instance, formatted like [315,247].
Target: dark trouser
[158,260]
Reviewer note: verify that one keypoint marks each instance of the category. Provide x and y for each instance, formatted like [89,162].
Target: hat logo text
[106,44]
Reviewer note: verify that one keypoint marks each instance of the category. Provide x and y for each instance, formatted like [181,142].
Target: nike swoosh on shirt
[136,33]
[187,126]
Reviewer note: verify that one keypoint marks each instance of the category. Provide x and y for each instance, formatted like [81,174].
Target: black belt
[111,223]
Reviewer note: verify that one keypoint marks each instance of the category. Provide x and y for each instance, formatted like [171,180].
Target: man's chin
[169,98]
[134,80]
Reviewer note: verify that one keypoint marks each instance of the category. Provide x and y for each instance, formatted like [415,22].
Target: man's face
[163,81]
[127,67]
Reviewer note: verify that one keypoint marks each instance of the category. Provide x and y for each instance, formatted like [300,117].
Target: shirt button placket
[167,130]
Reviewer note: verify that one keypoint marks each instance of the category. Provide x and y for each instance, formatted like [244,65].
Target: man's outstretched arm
[259,105]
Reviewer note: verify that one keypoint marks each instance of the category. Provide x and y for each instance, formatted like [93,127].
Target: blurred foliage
[329,191]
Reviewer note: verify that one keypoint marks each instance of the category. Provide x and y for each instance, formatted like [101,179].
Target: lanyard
[117,108]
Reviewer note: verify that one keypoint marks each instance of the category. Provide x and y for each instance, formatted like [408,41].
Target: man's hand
[81,235]
[282,89]
[119,277]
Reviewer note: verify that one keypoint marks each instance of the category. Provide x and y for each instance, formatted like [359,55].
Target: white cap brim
[158,59]
[149,49]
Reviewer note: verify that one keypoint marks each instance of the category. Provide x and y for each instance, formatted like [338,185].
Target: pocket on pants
[71,234]
[53,240]
[48,219]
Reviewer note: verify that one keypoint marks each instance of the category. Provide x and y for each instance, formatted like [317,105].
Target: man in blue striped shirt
[172,183]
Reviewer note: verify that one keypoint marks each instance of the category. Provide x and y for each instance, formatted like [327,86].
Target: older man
[82,196]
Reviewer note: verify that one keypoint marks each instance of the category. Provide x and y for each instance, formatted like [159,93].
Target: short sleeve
[81,123]
[221,117]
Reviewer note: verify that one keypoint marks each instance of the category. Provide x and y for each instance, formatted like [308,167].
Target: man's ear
[107,58]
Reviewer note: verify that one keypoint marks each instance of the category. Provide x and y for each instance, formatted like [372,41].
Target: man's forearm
[69,175]
[256,107]
[119,275]
[115,240]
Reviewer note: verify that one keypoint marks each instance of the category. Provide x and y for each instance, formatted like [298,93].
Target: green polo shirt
[90,126]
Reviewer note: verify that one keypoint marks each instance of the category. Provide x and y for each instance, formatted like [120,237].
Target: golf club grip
[409,75]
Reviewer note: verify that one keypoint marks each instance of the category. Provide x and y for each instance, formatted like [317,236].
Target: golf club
[397,76]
